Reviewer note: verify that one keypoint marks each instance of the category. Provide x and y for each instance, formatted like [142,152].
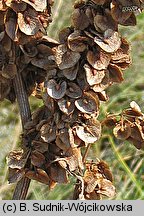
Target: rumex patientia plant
[72,76]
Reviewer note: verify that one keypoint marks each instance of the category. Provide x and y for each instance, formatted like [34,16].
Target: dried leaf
[38,5]
[135,107]
[89,103]
[46,63]
[106,188]
[38,175]
[28,22]
[11,25]
[93,76]
[7,44]
[58,174]
[37,158]
[105,21]
[9,71]
[110,121]
[76,42]
[40,146]
[73,90]
[122,132]
[137,132]
[89,133]
[66,58]
[123,18]
[48,132]
[63,35]
[79,19]
[104,169]
[90,181]
[15,175]
[98,59]
[115,73]
[66,106]
[16,6]
[29,50]
[100,87]
[111,41]
[75,160]
[65,139]
[16,160]
[56,90]
[71,73]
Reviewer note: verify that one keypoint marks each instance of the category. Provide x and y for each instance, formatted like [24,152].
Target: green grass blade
[125,166]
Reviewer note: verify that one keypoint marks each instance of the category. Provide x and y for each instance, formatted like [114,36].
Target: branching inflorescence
[73,75]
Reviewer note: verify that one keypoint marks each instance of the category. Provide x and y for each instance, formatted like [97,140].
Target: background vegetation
[126,162]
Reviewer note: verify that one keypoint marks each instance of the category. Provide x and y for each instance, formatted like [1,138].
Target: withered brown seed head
[72,76]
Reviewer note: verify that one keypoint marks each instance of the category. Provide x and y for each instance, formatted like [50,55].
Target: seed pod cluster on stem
[22,24]
[128,125]
[90,56]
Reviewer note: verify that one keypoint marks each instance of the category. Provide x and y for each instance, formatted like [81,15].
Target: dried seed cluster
[97,181]
[22,24]
[90,57]
[129,125]
[23,19]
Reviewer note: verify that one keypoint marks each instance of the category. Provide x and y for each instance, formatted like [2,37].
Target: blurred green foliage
[126,162]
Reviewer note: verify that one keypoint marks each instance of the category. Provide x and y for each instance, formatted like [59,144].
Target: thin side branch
[86,153]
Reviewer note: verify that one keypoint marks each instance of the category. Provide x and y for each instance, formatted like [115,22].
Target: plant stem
[86,153]
[22,99]
[22,186]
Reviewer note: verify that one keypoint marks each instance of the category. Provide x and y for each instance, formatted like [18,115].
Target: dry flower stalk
[73,75]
